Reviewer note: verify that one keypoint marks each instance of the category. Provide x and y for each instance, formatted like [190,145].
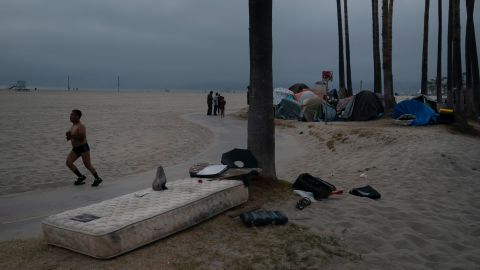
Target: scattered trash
[366,191]
[263,217]
[302,203]
[304,194]
[141,193]
[160,181]
[321,189]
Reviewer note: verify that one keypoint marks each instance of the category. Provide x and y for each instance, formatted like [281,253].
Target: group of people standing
[218,102]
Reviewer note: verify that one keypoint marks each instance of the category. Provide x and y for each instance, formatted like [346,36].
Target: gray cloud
[188,44]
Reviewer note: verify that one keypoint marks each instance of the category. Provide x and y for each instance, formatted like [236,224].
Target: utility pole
[68,82]
[118,83]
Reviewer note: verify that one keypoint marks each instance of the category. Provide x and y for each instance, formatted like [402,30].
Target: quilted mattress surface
[115,226]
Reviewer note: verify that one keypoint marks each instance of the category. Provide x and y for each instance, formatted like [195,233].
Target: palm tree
[439,54]
[457,83]
[347,51]
[471,61]
[261,128]
[377,70]
[387,17]
[449,55]
[425,48]
[341,71]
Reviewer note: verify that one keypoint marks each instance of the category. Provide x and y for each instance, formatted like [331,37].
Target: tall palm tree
[341,68]
[347,51]
[449,56]
[457,83]
[439,54]
[377,70]
[261,128]
[425,48]
[387,18]
[471,60]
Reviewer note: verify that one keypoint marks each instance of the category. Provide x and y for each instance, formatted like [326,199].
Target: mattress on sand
[115,226]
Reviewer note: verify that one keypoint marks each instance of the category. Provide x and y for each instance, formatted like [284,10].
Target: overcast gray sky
[198,44]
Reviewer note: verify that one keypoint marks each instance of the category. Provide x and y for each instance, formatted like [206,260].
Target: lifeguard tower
[19,86]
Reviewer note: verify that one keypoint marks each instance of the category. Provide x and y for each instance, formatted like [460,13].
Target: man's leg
[70,160]
[88,164]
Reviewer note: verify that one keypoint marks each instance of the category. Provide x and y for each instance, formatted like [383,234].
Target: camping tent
[428,101]
[298,87]
[281,93]
[312,109]
[304,95]
[367,106]
[423,113]
[288,109]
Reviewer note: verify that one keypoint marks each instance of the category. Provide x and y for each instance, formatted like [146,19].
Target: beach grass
[222,242]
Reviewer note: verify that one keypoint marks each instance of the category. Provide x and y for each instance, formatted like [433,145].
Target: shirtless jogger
[77,135]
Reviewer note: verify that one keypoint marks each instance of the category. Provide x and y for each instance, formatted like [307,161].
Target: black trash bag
[321,189]
[263,217]
[366,191]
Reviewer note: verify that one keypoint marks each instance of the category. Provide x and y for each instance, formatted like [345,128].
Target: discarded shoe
[366,191]
[302,203]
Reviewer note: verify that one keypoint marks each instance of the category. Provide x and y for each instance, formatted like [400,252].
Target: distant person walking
[209,103]
[221,105]
[77,135]
[215,104]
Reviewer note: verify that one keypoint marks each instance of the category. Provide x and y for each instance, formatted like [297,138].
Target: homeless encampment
[298,87]
[363,106]
[423,113]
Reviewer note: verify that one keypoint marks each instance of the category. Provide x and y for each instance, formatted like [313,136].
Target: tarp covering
[312,109]
[423,113]
[281,93]
[428,101]
[304,95]
[298,87]
[367,107]
[288,109]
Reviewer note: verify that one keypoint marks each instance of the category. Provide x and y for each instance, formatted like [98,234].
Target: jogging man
[77,135]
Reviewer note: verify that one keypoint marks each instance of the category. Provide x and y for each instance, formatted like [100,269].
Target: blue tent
[424,114]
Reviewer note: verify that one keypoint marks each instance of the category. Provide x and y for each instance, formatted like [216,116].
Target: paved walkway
[21,214]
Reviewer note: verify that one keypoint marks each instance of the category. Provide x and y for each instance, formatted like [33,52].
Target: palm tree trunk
[261,129]
[449,55]
[377,70]
[468,66]
[472,59]
[341,71]
[387,18]
[460,116]
[425,48]
[439,54]
[347,51]
[390,50]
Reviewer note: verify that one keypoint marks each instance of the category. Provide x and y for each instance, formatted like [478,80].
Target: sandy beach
[128,133]
[428,216]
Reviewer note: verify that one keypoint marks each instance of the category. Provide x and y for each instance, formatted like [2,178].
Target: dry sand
[128,133]
[429,213]
[428,216]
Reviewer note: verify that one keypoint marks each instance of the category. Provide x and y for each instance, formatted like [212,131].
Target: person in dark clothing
[209,103]
[77,135]
[215,104]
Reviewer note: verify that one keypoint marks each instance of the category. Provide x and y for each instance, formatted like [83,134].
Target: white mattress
[133,220]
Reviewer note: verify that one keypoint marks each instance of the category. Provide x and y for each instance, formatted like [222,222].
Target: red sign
[327,75]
